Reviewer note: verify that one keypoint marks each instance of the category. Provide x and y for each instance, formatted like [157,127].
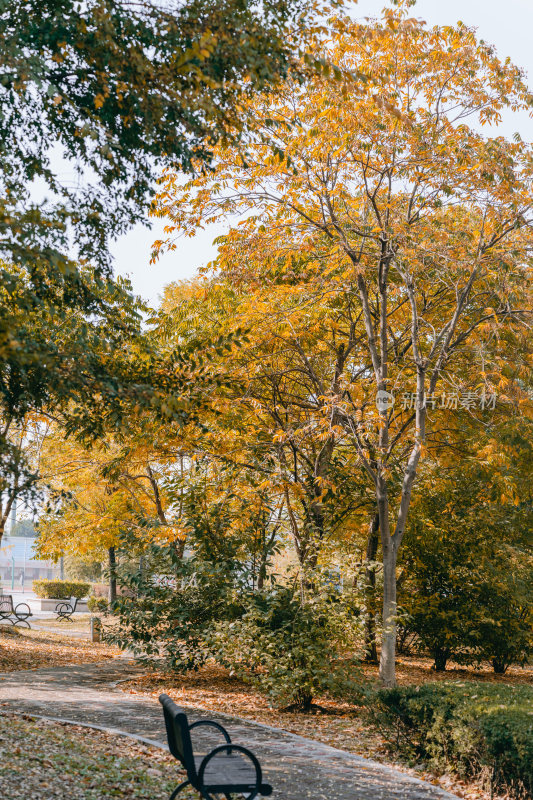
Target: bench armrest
[214,725]
[25,612]
[64,605]
[228,748]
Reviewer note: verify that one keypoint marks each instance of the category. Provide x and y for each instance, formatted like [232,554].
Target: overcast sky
[505,24]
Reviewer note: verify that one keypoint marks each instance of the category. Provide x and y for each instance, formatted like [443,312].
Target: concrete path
[298,768]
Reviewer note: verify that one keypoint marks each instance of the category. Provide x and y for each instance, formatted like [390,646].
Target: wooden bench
[66,609]
[16,615]
[227,769]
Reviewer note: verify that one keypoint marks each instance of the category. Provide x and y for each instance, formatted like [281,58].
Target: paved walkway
[298,768]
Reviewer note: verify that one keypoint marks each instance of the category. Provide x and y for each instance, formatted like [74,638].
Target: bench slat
[228,768]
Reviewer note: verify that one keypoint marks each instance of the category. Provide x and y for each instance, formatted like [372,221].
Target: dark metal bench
[66,609]
[229,769]
[14,614]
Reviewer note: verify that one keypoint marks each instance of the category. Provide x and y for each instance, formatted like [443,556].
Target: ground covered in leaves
[80,623]
[340,725]
[21,648]
[41,760]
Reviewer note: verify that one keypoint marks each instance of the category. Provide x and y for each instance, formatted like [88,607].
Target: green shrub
[482,731]
[61,590]
[97,605]
[170,607]
[467,585]
[289,650]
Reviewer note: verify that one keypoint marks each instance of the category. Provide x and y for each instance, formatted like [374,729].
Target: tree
[92,370]
[111,91]
[97,493]
[390,194]
[55,358]
[271,422]
[121,88]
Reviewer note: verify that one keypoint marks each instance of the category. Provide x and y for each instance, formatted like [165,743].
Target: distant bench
[227,768]
[16,615]
[66,608]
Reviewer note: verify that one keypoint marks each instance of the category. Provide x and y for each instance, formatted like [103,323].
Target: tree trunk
[371,651]
[112,575]
[499,666]
[389,550]
[157,496]
[387,663]
[442,655]
[4,513]
[262,571]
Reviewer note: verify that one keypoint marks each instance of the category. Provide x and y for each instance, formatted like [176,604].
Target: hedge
[61,590]
[481,731]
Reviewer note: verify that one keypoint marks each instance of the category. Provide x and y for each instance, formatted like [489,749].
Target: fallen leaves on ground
[339,725]
[80,623]
[42,760]
[31,649]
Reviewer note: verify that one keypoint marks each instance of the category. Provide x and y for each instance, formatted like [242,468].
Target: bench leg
[176,792]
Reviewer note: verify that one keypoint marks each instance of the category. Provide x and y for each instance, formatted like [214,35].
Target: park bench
[227,770]
[66,608]
[14,614]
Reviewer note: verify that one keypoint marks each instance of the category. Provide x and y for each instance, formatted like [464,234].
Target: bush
[505,633]
[184,611]
[168,609]
[97,605]
[480,731]
[467,599]
[289,650]
[467,568]
[61,590]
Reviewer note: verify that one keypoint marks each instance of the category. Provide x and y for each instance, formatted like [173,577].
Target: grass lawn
[50,761]
[21,648]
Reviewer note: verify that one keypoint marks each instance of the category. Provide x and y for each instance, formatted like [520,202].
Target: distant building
[27,565]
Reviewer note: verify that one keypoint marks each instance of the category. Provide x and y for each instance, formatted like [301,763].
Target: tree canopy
[339,407]
[392,196]
[119,89]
